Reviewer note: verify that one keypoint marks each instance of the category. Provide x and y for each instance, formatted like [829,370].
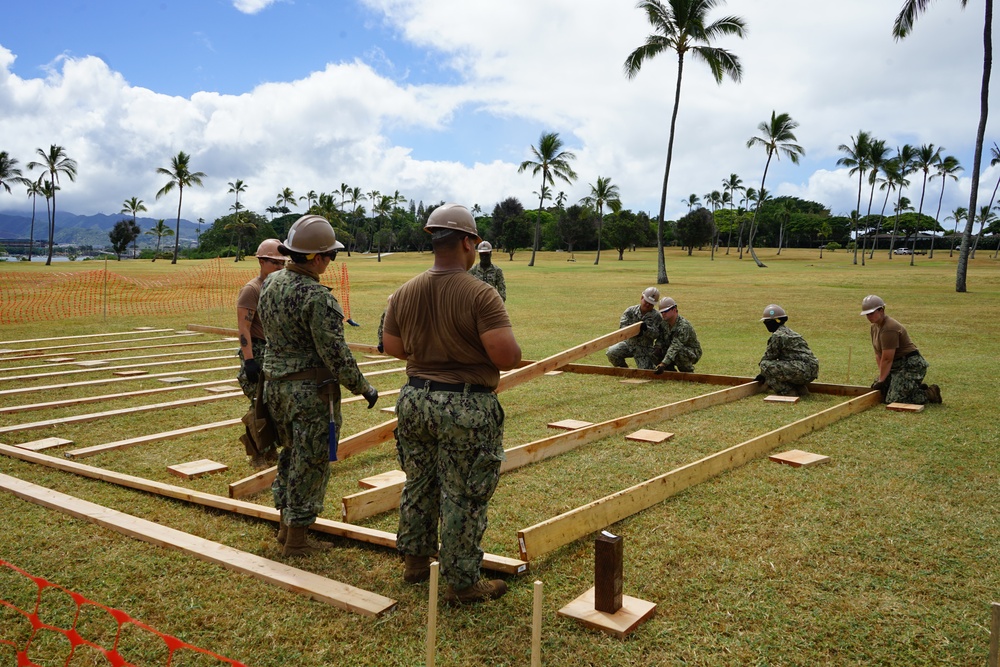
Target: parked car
[902,251]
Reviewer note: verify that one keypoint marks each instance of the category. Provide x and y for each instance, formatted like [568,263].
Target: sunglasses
[279,262]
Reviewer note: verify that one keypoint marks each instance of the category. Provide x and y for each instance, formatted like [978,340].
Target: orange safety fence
[39,297]
[52,632]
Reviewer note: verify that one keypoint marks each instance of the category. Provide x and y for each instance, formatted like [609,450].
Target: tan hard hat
[312,234]
[773,312]
[666,303]
[871,303]
[651,295]
[484,247]
[268,249]
[452,217]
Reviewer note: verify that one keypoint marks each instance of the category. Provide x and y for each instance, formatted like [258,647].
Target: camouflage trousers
[450,445]
[302,419]
[788,377]
[905,378]
[250,388]
[645,357]
[685,359]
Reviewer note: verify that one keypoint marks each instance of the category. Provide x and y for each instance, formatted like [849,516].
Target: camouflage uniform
[640,347]
[788,364]
[305,330]
[250,388]
[450,445]
[381,327]
[681,344]
[906,380]
[492,275]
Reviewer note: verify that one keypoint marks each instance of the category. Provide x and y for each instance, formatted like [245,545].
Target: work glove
[352,322]
[380,347]
[252,370]
[642,327]
[664,367]
[882,386]
[760,378]
[371,396]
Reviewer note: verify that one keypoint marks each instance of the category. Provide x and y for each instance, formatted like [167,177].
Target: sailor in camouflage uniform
[455,335]
[305,363]
[788,365]
[901,367]
[681,349]
[640,347]
[489,272]
[251,331]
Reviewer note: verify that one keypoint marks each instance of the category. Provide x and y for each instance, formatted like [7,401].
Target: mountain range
[88,229]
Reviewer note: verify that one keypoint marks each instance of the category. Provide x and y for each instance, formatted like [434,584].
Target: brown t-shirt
[440,316]
[891,335]
[248,298]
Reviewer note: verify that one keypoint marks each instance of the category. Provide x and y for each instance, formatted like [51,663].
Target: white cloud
[252,6]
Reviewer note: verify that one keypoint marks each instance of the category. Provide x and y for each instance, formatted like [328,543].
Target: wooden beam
[570,526]
[370,502]
[94,416]
[103,397]
[102,369]
[314,586]
[143,439]
[223,331]
[345,530]
[99,335]
[80,353]
[102,381]
[186,334]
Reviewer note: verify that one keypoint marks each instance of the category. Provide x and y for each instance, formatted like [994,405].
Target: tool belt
[431,385]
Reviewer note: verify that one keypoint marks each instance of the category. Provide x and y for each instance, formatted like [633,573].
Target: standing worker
[901,368]
[788,365]
[455,336]
[642,346]
[305,362]
[489,272]
[251,331]
[677,339]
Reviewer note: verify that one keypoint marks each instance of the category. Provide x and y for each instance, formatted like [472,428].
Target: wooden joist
[570,526]
[103,397]
[99,335]
[112,342]
[314,586]
[102,381]
[223,331]
[143,439]
[56,357]
[105,369]
[345,530]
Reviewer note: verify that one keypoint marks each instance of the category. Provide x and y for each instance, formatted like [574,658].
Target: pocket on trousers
[485,473]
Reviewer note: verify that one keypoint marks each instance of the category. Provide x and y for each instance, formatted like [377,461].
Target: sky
[443,99]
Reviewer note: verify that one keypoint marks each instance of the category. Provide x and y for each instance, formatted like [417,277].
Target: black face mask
[486,259]
[772,325]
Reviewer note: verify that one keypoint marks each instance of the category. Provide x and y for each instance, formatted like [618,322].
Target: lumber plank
[57,360]
[382,479]
[105,369]
[45,443]
[98,335]
[345,530]
[574,524]
[195,469]
[110,397]
[143,439]
[224,331]
[186,334]
[93,416]
[905,407]
[775,398]
[87,383]
[314,586]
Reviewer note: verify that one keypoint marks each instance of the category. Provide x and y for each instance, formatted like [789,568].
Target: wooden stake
[536,626]
[994,659]
[432,614]
[848,380]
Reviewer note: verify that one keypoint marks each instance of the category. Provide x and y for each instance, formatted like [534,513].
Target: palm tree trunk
[31,238]
[661,262]
[599,225]
[753,223]
[878,226]
[177,229]
[52,218]
[538,223]
[857,219]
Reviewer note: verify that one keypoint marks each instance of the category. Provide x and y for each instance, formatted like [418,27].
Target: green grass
[886,556]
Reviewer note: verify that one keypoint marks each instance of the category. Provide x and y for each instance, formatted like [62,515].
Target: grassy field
[887,556]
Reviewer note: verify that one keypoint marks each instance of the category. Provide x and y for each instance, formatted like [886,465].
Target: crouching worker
[901,369]
[305,362]
[788,365]
[677,339]
[641,347]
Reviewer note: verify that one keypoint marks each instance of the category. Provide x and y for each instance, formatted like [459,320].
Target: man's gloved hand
[380,347]
[760,378]
[371,396]
[882,386]
[664,367]
[352,322]
[252,370]
[642,327]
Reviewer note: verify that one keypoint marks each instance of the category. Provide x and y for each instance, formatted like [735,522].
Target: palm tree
[715,199]
[692,201]
[680,26]
[986,218]
[891,180]
[286,198]
[236,187]
[777,139]
[181,176]
[49,192]
[34,189]
[159,230]
[901,29]
[309,198]
[601,193]
[10,173]
[749,196]
[904,161]
[957,215]
[927,156]
[994,161]
[344,191]
[733,184]
[857,159]
[553,163]
[133,206]
[878,155]
[240,228]
[55,162]
[947,168]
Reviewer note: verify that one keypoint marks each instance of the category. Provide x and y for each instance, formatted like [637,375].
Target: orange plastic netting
[44,624]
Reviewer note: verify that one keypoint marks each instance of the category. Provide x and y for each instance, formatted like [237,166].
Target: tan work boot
[416,568]
[282,533]
[478,592]
[297,543]
[933,393]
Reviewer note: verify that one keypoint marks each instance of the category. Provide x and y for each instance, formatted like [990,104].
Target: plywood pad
[93,363]
[385,479]
[635,381]
[799,459]
[375,356]
[389,408]
[196,468]
[570,424]
[649,435]
[620,624]
[554,373]
[44,443]
[221,389]
[172,379]
[905,407]
[59,360]
[126,374]
[774,398]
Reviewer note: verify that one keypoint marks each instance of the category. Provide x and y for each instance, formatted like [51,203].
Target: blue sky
[441,99]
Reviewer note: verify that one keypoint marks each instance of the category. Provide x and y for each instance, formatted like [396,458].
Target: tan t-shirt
[248,298]
[891,335]
[440,316]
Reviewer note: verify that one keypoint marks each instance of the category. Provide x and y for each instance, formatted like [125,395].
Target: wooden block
[633,613]
[384,479]
[128,374]
[93,363]
[59,360]
[174,378]
[221,389]
[389,408]
[774,398]
[554,373]
[608,582]
[799,459]
[44,443]
[649,435]
[635,381]
[569,424]
[198,468]
[905,407]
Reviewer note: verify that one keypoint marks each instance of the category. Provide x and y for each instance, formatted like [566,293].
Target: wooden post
[536,626]
[994,660]
[432,614]
[608,583]
[848,381]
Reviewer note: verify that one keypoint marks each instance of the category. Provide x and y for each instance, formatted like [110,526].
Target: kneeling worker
[901,369]
[678,340]
[642,346]
[788,364]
